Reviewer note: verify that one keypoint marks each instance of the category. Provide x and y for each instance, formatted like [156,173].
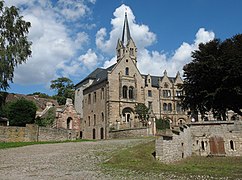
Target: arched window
[169,107]
[125,89]
[69,123]
[127,71]
[165,107]
[102,116]
[131,92]
[94,119]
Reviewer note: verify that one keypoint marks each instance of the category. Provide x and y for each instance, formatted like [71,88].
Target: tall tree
[213,78]
[65,89]
[14,45]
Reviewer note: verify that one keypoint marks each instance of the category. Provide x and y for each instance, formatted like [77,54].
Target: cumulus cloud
[55,47]
[90,59]
[149,62]
[143,37]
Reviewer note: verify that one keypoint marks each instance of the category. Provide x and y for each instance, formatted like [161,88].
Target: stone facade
[202,139]
[34,133]
[174,145]
[67,117]
[106,98]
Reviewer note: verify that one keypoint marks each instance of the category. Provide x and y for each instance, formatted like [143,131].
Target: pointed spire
[126,27]
[165,73]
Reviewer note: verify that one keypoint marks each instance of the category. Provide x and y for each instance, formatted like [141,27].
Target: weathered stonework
[34,133]
[106,98]
[218,138]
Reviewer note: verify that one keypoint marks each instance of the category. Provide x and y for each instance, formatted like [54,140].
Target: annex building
[106,98]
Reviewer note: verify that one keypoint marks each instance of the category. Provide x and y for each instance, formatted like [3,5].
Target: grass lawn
[4,145]
[139,158]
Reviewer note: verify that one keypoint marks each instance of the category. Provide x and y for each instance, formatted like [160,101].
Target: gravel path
[60,161]
[71,161]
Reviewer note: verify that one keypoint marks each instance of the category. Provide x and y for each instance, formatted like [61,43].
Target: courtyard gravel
[74,160]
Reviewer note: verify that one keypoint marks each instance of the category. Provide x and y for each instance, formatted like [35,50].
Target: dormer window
[126,71]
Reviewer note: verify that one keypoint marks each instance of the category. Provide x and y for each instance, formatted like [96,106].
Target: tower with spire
[126,48]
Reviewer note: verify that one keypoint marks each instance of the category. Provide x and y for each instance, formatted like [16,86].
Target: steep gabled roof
[98,75]
[155,80]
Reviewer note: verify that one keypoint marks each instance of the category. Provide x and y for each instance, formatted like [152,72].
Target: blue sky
[72,38]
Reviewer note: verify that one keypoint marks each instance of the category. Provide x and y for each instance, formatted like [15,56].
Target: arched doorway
[94,134]
[127,115]
[69,123]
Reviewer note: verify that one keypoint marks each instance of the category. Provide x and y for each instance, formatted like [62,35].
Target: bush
[20,112]
[162,124]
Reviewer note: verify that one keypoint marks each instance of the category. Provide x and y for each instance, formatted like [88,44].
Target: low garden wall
[34,133]
[124,133]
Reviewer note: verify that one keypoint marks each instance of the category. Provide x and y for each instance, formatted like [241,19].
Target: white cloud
[72,10]
[54,47]
[142,36]
[149,62]
[90,59]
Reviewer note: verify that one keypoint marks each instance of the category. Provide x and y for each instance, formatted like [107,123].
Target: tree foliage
[65,89]
[142,111]
[14,45]
[48,119]
[20,112]
[162,124]
[213,78]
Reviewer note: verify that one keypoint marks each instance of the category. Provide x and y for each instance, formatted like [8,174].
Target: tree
[65,89]
[48,119]
[20,112]
[213,78]
[143,112]
[14,45]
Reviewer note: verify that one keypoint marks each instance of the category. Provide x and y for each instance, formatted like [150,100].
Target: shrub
[162,124]
[20,112]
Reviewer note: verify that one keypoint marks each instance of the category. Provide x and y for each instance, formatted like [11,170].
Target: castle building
[106,98]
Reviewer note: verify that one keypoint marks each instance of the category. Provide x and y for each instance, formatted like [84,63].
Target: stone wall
[33,133]
[217,138]
[137,132]
[174,145]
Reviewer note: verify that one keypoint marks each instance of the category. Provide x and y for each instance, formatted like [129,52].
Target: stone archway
[69,123]
[127,115]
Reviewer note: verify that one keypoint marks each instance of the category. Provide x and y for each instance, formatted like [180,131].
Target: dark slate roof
[155,80]
[98,75]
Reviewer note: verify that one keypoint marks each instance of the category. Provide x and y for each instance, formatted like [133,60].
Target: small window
[94,97]
[131,93]
[131,51]
[94,120]
[89,98]
[149,93]
[169,107]
[231,145]
[102,116]
[166,93]
[127,71]
[89,120]
[127,60]
[102,93]
[125,89]
[165,108]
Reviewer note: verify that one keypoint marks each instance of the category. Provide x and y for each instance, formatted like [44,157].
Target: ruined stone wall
[174,147]
[33,133]
[137,132]
[229,133]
